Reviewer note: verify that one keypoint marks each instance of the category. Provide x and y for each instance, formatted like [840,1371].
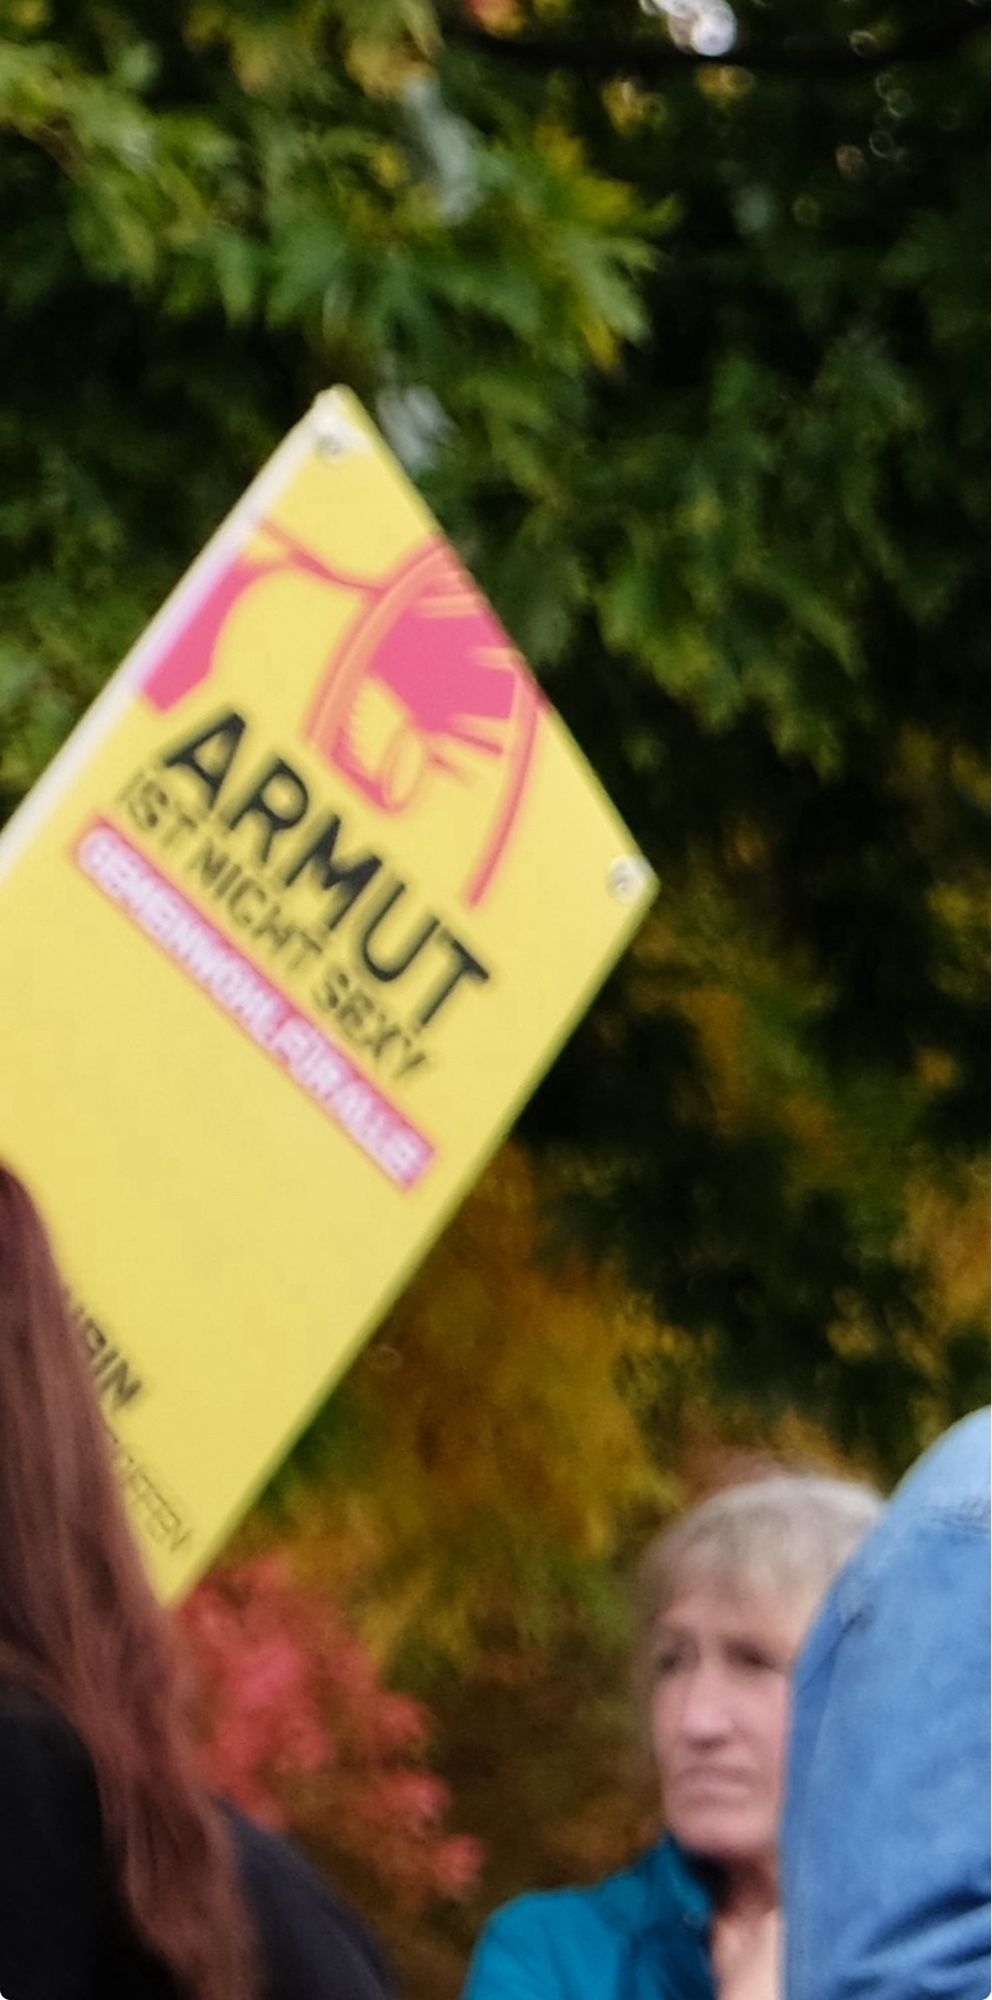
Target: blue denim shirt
[885,1852]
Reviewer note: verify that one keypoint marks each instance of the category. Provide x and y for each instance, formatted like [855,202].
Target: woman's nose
[705,1709]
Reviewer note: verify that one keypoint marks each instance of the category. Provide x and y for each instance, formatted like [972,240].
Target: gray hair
[784,1536]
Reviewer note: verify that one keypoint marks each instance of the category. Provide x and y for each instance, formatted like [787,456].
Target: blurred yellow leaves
[506,1453]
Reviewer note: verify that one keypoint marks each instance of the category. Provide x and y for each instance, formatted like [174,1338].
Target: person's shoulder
[312,1941]
[547,1914]
[544,1945]
[40,1753]
[953,1478]
[55,1907]
[21,1707]
[562,1944]
[567,1939]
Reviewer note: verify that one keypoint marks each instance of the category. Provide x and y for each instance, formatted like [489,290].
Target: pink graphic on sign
[423,689]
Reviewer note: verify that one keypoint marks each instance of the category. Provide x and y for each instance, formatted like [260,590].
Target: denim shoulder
[953,1477]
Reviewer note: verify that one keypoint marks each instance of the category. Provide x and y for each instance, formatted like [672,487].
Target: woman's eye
[666,1663]
[753,1661]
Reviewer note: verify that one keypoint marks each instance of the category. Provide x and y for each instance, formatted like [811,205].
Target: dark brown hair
[81,1628]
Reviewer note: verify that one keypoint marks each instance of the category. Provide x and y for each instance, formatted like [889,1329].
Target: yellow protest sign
[298,917]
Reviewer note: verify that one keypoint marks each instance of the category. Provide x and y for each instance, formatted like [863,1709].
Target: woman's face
[720,1716]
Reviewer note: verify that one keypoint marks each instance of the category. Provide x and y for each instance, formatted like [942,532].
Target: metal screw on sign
[628,877]
[335,436]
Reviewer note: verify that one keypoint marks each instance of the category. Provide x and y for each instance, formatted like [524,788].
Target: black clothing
[62,1933]
[313,1946]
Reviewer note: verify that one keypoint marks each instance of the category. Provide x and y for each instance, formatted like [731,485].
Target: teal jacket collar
[663,1907]
[643,1934]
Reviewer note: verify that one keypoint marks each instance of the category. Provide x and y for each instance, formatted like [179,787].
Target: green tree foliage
[771,626]
[687,357]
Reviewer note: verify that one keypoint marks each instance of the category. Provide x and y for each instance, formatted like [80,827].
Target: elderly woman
[725,1599]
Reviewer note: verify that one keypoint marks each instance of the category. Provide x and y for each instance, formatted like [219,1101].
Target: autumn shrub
[300,1730]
